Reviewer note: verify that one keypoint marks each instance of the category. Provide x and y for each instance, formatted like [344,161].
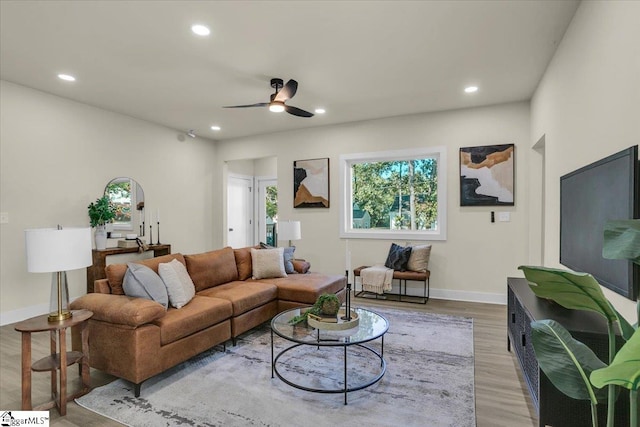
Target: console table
[552,406]
[96,271]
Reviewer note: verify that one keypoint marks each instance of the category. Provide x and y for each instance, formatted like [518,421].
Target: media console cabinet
[553,407]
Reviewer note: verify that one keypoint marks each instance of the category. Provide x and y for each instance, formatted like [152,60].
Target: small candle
[158,215]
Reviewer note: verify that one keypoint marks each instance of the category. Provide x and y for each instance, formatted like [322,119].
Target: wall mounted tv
[589,197]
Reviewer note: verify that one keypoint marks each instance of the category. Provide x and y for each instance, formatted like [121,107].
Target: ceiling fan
[278,98]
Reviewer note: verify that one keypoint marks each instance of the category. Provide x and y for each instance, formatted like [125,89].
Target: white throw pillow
[419,258]
[179,285]
[268,263]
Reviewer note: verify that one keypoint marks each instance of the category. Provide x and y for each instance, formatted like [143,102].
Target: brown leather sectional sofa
[136,338]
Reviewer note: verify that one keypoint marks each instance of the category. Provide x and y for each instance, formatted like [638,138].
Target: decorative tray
[340,325]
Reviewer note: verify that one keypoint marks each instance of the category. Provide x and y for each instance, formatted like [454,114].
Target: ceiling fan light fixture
[276,107]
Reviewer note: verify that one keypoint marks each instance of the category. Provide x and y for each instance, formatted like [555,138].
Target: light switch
[4,217]
[504,216]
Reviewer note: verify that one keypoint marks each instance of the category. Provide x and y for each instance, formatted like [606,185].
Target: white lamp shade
[50,250]
[289,230]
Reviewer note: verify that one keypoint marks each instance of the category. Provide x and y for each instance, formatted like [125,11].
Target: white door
[239,211]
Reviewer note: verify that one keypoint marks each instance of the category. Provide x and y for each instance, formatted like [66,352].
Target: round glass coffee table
[371,326]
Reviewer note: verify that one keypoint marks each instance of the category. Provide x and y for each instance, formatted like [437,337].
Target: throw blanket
[376,279]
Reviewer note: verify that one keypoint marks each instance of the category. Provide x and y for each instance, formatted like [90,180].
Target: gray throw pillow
[142,282]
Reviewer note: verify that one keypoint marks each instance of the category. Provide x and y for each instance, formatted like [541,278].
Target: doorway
[239,211]
[266,210]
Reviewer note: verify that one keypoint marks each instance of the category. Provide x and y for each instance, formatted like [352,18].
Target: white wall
[478,255]
[57,156]
[587,106]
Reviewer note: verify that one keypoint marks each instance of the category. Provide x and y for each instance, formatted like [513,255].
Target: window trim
[346,160]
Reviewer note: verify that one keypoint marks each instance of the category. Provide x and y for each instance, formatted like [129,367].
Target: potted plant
[101,212]
[572,366]
[327,304]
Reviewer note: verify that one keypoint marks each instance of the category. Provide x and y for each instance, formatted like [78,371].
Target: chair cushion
[179,285]
[212,268]
[199,314]
[142,282]
[243,296]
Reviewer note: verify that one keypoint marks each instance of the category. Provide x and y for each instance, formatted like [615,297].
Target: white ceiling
[358,59]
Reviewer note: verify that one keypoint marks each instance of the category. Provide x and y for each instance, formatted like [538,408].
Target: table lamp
[289,230]
[51,250]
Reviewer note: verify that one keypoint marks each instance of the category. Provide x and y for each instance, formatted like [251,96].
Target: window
[394,194]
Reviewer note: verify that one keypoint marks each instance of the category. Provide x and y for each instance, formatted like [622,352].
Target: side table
[58,360]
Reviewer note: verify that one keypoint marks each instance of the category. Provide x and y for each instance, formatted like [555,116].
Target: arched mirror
[128,198]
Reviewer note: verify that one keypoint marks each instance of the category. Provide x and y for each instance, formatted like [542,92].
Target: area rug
[429,382]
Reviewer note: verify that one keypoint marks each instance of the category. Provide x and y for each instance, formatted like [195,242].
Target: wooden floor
[502,399]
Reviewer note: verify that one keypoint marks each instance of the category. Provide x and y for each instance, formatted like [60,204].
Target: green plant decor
[323,300]
[101,212]
[570,365]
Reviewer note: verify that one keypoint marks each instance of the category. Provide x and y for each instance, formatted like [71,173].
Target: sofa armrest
[301,266]
[120,309]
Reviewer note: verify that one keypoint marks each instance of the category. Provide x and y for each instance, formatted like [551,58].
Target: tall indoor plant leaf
[622,240]
[624,371]
[576,291]
[566,361]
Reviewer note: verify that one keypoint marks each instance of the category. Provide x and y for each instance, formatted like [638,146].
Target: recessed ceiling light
[66,77]
[201,30]
[320,111]
[471,89]
[216,128]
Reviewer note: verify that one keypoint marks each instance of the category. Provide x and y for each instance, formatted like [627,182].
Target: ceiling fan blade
[297,111]
[287,91]
[259,104]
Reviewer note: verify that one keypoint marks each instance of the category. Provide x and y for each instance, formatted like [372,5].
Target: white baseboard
[480,297]
[21,314]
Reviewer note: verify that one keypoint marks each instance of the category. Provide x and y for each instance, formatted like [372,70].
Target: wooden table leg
[63,371]
[84,365]
[26,371]
[53,349]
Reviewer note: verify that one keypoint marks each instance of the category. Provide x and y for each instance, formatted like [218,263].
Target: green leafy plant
[101,212]
[318,308]
[570,365]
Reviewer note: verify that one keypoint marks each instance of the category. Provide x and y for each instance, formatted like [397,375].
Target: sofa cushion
[243,262]
[308,287]
[244,296]
[119,309]
[178,283]
[115,272]
[142,282]
[268,263]
[212,268]
[199,314]
[419,258]
[398,257]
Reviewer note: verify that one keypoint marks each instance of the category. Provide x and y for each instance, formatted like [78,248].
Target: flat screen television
[589,197]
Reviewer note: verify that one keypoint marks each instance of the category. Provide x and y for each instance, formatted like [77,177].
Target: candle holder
[150,234]
[158,233]
[347,315]
[143,229]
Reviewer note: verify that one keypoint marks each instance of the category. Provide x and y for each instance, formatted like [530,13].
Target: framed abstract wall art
[311,183]
[487,175]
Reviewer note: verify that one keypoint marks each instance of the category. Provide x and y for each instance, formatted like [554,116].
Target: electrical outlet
[504,216]
[4,217]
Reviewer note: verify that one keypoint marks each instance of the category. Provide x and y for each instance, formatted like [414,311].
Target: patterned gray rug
[429,382]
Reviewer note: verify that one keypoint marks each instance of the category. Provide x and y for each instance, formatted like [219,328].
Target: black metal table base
[345,389]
